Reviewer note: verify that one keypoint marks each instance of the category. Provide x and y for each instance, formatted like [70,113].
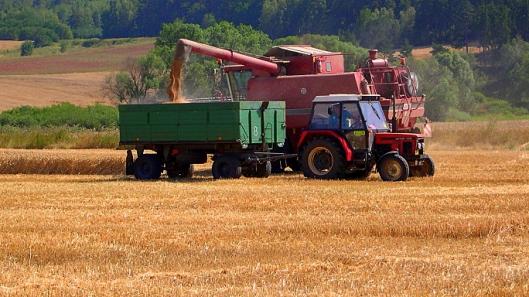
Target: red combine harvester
[297,74]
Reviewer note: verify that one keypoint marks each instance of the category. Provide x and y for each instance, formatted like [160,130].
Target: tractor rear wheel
[148,167]
[393,168]
[322,158]
[426,169]
[226,167]
[179,170]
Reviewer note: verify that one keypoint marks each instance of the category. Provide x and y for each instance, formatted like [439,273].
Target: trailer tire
[322,158]
[262,170]
[226,167]
[179,170]
[148,167]
[427,168]
[393,167]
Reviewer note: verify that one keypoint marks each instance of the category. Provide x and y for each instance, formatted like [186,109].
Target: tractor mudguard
[387,154]
[306,135]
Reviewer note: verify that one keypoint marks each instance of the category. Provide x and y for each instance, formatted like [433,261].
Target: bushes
[97,117]
[26,49]
[57,137]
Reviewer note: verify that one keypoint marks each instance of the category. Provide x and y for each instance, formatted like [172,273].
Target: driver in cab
[351,119]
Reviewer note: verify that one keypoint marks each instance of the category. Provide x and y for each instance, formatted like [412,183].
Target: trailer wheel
[427,168]
[322,159]
[147,167]
[179,170]
[393,168]
[226,167]
[263,170]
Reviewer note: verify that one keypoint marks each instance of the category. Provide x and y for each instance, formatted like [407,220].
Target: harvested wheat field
[464,232]
[47,89]
[10,44]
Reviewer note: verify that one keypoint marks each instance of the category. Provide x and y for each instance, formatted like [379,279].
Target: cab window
[326,116]
[351,117]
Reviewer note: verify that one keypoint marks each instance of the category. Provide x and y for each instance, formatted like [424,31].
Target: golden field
[464,232]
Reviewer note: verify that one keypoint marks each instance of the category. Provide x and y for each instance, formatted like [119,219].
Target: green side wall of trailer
[222,122]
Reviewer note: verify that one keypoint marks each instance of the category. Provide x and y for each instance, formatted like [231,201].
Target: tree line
[385,24]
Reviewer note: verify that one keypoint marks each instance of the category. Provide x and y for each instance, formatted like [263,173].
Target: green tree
[493,25]
[377,28]
[26,49]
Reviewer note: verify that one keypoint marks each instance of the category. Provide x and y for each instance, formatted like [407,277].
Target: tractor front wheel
[147,167]
[393,168]
[322,158]
[226,167]
[426,169]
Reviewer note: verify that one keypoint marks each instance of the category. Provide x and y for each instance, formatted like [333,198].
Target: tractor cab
[355,117]
[348,136]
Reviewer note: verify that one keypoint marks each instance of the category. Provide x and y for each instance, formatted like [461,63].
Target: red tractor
[348,136]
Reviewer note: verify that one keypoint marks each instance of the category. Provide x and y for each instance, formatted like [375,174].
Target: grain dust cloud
[174,90]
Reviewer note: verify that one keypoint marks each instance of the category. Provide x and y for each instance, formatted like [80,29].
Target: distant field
[97,59]
[426,52]
[464,232]
[46,89]
[9,44]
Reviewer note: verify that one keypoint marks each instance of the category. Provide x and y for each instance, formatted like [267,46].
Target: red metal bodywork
[403,143]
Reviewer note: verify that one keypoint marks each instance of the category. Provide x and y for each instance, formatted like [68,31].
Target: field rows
[463,232]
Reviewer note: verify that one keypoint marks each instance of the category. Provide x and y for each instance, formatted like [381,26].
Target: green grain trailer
[239,135]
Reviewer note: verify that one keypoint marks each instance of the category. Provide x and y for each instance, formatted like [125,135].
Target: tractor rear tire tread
[338,169]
